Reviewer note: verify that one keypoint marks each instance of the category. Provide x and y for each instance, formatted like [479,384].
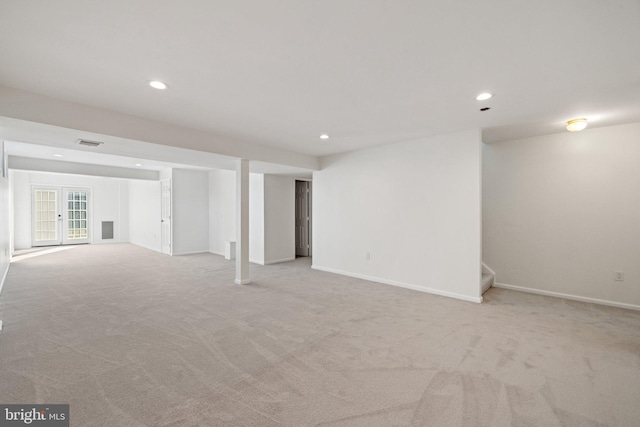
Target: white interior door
[46,217]
[165,217]
[60,216]
[75,221]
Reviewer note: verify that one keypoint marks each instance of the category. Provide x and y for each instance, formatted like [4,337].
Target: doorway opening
[60,216]
[303,218]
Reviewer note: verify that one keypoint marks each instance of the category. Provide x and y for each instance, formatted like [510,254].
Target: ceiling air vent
[89,143]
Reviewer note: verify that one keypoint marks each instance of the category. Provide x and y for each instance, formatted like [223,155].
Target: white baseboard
[222,254]
[277,261]
[400,284]
[567,296]
[242,282]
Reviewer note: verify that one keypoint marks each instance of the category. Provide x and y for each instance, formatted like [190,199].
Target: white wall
[190,211]
[164,173]
[144,214]
[414,206]
[124,214]
[256,218]
[279,219]
[108,203]
[561,213]
[271,218]
[222,210]
[21,215]
[5,227]
[271,215]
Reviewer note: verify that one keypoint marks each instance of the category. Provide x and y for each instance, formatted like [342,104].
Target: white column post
[242,222]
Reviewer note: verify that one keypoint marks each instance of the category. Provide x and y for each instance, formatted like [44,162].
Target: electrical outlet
[619,276]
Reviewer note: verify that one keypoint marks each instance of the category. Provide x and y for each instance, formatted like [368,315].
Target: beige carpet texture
[130,337]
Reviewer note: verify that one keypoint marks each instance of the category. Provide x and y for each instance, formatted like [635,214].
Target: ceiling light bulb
[157,84]
[576,125]
[324,136]
[483,96]
[138,164]
[57,155]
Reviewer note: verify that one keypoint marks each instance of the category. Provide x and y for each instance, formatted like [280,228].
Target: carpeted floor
[129,337]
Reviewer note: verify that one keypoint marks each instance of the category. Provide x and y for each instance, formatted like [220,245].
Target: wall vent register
[107,230]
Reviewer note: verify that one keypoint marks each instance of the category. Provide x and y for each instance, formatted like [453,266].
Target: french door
[60,216]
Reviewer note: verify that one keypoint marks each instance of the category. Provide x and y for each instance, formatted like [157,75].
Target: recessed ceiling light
[157,84]
[576,125]
[324,136]
[483,96]
[57,155]
[138,164]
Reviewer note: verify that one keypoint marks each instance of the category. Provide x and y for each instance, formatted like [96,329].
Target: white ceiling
[367,72]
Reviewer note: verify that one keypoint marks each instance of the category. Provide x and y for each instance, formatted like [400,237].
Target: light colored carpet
[130,337]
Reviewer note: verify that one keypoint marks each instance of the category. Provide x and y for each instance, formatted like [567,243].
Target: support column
[242,222]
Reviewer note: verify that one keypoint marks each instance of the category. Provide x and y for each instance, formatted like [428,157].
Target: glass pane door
[76,216]
[45,217]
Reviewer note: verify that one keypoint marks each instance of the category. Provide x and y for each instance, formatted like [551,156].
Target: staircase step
[487,281]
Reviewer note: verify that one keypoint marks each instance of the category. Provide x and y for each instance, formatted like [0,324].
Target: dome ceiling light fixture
[483,96]
[157,84]
[576,125]
[324,136]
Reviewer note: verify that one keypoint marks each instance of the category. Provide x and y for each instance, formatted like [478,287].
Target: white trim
[276,261]
[401,284]
[189,253]
[567,296]
[489,270]
[218,253]
[255,261]
[242,282]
